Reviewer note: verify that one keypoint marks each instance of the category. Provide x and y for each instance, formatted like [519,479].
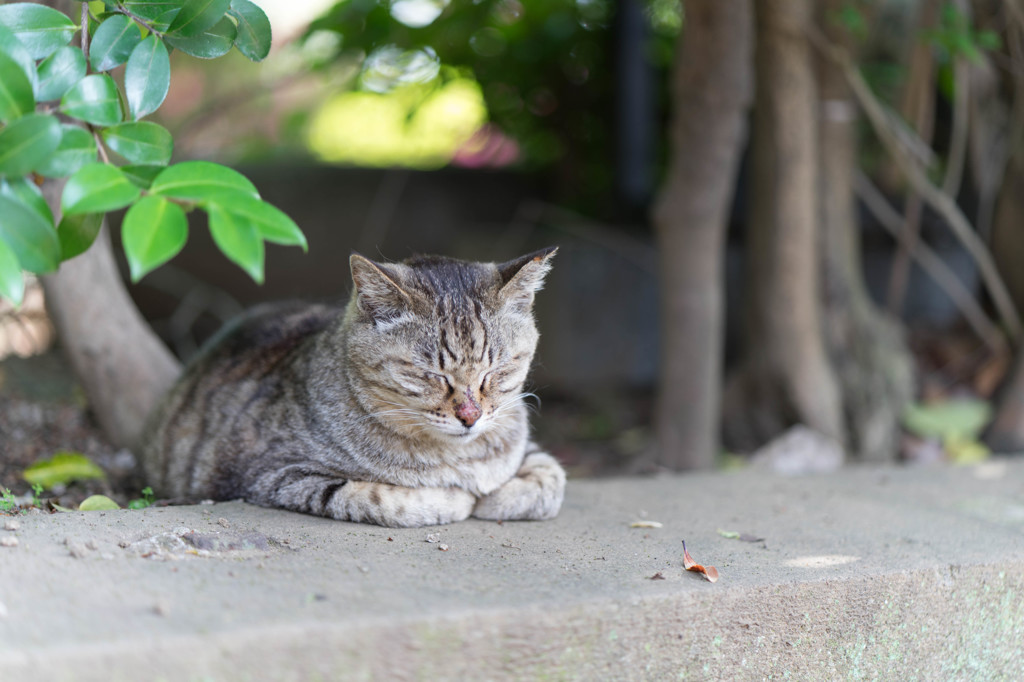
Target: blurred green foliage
[545,67]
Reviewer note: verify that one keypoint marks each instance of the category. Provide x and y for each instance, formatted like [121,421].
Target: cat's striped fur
[403,408]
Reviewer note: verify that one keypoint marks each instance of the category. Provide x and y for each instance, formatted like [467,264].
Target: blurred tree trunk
[122,365]
[867,349]
[1006,432]
[711,96]
[785,376]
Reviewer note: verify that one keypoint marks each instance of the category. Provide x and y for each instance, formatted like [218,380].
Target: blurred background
[788,229]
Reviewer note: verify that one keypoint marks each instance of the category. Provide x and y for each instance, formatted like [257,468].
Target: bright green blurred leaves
[94,99]
[154,231]
[97,188]
[98,503]
[62,468]
[140,142]
[147,77]
[39,28]
[26,143]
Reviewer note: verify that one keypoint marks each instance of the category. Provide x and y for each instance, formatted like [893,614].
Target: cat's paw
[534,493]
[398,506]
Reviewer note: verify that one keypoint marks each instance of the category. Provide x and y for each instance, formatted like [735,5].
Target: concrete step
[888,573]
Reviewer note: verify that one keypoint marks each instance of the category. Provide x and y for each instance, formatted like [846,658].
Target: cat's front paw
[398,506]
[534,493]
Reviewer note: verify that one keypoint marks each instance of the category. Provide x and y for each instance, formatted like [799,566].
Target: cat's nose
[468,411]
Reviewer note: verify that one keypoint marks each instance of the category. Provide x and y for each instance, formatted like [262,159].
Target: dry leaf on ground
[709,572]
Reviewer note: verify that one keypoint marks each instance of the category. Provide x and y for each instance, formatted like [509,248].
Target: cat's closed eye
[441,381]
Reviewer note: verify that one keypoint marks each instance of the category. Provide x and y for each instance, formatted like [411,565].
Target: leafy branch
[111,157]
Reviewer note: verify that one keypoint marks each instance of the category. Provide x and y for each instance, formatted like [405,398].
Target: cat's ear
[377,293]
[523,277]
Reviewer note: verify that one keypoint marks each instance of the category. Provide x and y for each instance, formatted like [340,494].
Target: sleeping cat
[403,408]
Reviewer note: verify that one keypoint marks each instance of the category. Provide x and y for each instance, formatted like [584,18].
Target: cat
[403,408]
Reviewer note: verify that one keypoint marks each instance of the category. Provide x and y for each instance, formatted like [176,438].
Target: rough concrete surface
[882,573]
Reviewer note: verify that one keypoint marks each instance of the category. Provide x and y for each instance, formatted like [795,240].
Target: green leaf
[12,282]
[62,468]
[77,148]
[76,233]
[253,39]
[29,235]
[198,15]
[271,223]
[214,42]
[23,190]
[141,142]
[15,90]
[154,231]
[40,29]
[59,72]
[142,176]
[27,142]
[12,47]
[961,418]
[98,503]
[114,40]
[147,77]
[201,181]
[97,188]
[151,9]
[94,99]
[238,239]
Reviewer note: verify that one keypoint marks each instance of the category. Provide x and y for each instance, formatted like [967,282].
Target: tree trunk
[122,365]
[711,93]
[866,348]
[1006,432]
[785,377]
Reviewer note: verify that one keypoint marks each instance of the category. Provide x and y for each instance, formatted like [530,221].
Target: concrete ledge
[892,573]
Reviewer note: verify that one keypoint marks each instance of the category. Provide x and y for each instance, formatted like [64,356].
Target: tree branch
[942,203]
[931,263]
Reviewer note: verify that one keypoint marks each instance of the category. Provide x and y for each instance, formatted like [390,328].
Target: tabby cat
[403,408]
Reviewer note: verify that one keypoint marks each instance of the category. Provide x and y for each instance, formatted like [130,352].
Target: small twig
[138,20]
[932,195]
[932,264]
[85,33]
[99,145]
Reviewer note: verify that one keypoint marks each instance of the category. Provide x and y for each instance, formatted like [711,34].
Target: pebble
[11,524]
[443,547]
[434,537]
[8,541]
[224,522]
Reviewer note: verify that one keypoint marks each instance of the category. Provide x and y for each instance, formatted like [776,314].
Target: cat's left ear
[523,277]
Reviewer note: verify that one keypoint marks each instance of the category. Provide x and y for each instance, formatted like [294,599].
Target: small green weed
[146,501]
[8,502]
